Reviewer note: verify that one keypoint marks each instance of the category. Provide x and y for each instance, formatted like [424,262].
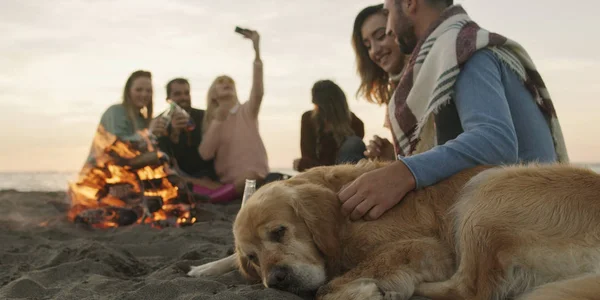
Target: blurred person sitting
[231,135]
[330,133]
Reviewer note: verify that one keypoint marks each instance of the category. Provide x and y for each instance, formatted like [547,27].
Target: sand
[43,256]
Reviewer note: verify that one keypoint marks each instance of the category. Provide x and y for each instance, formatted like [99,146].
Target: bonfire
[125,183]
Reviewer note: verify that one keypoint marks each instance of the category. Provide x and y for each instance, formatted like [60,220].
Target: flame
[125,183]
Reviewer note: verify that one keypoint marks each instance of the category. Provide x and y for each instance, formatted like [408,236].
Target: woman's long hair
[131,110]
[331,110]
[211,101]
[374,84]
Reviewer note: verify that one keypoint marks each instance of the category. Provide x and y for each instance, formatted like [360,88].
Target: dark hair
[178,80]
[441,3]
[374,83]
[131,111]
[331,108]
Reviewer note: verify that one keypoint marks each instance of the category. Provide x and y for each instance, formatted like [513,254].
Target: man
[467,97]
[181,144]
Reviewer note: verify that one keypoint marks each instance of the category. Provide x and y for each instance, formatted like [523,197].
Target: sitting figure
[125,120]
[181,141]
[330,133]
[231,135]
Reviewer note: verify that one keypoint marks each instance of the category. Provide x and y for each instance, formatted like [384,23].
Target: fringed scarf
[427,82]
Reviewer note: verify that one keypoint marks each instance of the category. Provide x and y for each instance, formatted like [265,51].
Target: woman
[126,119]
[379,63]
[231,135]
[330,133]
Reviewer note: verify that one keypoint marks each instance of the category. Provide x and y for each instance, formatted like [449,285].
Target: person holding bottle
[179,132]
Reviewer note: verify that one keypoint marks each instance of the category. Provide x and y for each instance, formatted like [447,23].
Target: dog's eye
[278,233]
[253,258]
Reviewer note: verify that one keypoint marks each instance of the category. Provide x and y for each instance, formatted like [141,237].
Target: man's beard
[406,37]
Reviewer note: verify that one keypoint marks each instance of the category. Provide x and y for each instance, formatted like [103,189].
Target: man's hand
[179,121]
[375,192]
[158,127]
[380,148]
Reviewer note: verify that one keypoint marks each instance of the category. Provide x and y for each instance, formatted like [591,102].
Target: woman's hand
[380,148]
[222,112]
[254,37]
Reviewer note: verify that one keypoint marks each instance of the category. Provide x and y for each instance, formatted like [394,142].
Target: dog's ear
[320,210]
[247,269]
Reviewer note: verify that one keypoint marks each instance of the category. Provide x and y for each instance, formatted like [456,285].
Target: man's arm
[489,135]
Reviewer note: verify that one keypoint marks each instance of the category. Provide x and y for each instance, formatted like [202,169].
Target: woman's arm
[115,121]
[210,141]
[257,91]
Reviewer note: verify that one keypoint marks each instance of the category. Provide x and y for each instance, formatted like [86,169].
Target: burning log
[129,183]
[107,217]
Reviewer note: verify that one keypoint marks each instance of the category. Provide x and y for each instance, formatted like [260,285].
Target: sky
[63,62]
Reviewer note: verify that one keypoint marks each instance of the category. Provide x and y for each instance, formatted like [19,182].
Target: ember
[125,183]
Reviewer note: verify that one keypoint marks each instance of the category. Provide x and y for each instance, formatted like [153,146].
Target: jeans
[351,151]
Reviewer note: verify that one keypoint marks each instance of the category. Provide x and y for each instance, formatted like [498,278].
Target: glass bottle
[249,189]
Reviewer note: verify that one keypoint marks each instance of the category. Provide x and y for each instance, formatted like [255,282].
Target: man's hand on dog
[375,192]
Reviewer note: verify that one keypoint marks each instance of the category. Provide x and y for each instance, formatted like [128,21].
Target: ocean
[54,181]
[58,181]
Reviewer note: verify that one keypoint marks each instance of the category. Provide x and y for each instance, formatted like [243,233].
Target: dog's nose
[278,277]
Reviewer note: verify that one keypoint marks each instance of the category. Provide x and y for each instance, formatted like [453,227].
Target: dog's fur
[486,233]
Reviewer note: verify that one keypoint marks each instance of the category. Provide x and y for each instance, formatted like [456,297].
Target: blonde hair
[211,101]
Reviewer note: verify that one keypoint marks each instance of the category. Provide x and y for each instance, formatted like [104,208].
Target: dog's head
[283,239]
[287,233]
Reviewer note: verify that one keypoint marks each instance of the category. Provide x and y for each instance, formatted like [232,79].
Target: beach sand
[43,256]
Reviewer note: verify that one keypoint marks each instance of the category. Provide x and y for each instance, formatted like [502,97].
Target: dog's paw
[215,268]
[209,269]
[366,289]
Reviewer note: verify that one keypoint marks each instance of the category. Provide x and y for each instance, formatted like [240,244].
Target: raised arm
[257,92]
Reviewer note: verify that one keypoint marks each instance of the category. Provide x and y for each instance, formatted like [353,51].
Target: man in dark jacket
[179,140]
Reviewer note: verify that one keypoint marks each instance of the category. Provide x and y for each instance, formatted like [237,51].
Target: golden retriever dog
[525,232]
